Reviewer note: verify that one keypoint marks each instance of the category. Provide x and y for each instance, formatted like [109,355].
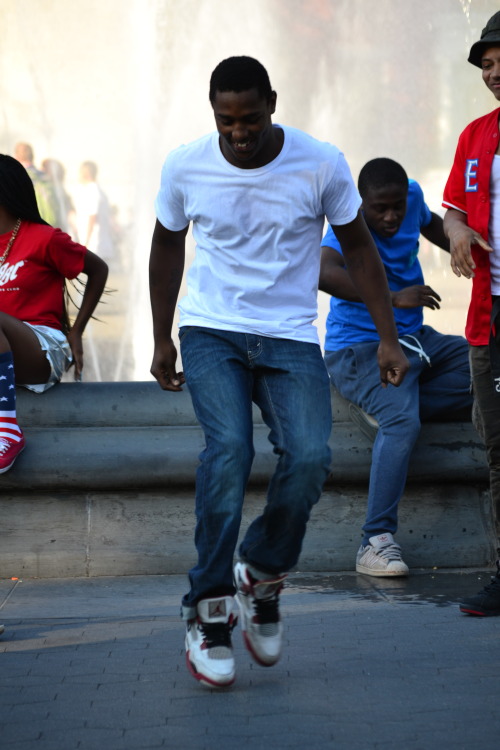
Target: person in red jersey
[37,344]
[472,223]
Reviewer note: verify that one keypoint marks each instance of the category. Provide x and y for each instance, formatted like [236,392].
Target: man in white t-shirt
[257,195]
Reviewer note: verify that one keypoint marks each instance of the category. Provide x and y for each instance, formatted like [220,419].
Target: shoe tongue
[381,540]
[215,610]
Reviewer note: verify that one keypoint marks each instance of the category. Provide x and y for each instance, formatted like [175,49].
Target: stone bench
[105,486]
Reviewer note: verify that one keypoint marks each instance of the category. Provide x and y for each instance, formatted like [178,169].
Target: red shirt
[468,190]
[32,276]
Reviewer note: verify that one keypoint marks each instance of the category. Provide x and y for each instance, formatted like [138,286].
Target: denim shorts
[57,350]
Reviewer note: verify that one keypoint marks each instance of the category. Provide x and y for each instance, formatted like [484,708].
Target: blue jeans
[225,373]
[427,392]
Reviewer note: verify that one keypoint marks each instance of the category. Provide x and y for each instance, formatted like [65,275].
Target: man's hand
[392,363]
[462,238]
[419,295]
[163,367]
[166,265]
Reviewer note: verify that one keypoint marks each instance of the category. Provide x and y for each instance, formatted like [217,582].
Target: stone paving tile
[16,733]
[366,666]
[171,737]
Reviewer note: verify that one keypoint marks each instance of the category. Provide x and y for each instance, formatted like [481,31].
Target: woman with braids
[36,343]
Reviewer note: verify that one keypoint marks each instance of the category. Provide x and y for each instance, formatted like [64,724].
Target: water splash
[134,85]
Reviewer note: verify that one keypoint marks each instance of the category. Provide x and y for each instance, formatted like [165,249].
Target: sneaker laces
[267,610]
[5,444]
[389,551]
[217,634]
[268,614]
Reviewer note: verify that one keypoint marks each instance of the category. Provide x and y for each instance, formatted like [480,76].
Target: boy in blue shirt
[438,381]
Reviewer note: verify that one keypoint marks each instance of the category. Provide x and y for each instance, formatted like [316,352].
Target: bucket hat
[490,37]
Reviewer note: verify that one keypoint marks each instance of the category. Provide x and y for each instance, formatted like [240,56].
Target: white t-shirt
[257,231]
[91,201]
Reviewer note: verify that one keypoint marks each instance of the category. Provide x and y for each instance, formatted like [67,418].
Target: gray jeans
[488,402]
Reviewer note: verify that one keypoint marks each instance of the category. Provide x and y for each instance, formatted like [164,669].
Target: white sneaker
[209,652]
[381,557]
[260,617]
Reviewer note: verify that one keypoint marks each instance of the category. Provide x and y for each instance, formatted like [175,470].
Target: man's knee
[232,450]
[309,457]
[401,427]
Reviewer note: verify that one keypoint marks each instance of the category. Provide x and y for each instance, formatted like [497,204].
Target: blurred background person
[55,173]
[92,217]
[44,188]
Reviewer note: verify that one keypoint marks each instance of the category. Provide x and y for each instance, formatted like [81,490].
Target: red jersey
[468,190]
[32,276]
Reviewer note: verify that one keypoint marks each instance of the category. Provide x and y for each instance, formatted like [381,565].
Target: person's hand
[461,240]
[163,367]
[76,344]
[393,364]
[419,295]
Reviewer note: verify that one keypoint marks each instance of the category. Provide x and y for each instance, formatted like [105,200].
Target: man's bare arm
[367,273]
[166,267]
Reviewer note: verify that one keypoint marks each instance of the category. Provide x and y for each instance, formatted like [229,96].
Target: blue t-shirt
[350,322]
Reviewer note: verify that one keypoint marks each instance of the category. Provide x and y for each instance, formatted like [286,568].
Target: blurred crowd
[86,215]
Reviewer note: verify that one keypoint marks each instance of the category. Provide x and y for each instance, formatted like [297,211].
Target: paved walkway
[98,664]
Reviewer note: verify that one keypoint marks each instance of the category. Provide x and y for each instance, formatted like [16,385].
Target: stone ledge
[126,436]
[122,404]
[106,487]
[55,535]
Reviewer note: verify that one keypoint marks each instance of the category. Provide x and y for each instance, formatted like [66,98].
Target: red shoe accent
[203,677]
[9,451]
[469,611]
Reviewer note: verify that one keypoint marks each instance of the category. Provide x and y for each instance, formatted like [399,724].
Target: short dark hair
[240,74]
[380,172]
[17,194]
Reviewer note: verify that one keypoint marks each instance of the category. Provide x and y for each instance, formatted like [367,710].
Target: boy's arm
[434,232]
[166,267]
[334,278]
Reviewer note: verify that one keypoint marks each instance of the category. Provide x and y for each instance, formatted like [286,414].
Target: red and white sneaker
[260,617]
[209,651]
[9,451]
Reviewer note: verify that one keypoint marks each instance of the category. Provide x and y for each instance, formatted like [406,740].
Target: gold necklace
[10,242]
